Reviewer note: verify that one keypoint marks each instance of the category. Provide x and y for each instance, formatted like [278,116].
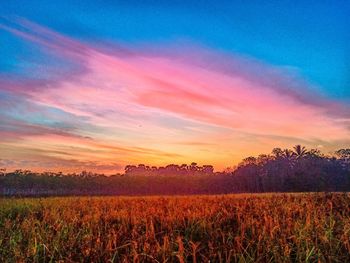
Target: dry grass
[230,228]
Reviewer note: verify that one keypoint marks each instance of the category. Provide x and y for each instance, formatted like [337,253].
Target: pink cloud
[124,90]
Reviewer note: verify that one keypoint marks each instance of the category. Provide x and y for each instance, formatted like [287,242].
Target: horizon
[102,86]
[287,153]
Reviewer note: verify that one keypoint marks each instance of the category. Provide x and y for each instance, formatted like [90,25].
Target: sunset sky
[96,85]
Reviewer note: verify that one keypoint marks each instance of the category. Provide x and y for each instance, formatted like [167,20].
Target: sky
[96,85]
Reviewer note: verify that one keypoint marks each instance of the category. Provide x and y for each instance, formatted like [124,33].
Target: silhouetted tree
[283,170]
[299,151]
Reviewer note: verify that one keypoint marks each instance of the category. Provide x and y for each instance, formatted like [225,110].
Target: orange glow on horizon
[136,107]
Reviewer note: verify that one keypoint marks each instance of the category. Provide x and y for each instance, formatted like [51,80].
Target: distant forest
[284,170]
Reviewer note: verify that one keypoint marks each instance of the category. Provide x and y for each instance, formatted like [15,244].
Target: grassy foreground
[230,228]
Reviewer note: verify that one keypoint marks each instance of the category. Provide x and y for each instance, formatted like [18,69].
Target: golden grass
[226,228]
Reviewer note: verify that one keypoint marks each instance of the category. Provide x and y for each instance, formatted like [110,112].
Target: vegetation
[226,228]
[297,170]
[288,170]
[312,227]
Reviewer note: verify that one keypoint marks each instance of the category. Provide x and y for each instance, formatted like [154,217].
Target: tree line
[283,170]
[294,170]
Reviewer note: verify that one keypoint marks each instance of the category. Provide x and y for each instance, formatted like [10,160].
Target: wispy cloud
[132,100]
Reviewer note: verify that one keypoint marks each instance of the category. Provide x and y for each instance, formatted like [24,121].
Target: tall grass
[227,228]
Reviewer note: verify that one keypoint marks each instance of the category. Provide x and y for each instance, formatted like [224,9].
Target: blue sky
[308,37]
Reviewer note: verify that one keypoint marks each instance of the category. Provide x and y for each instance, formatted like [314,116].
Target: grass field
[228,228]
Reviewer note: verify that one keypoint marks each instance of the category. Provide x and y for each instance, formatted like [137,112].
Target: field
[225,228]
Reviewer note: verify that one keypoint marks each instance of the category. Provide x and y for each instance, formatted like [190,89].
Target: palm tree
[299,151]
[287,154]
